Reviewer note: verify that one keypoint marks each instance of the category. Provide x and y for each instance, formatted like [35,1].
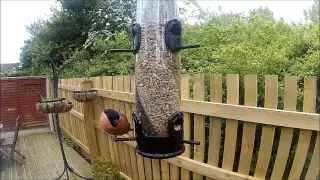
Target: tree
[79,6]
[74,25]
[313,14]
[111,17]
[25,58]
[191,10]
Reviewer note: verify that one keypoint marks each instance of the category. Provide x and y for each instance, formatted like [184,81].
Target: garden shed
[18,96]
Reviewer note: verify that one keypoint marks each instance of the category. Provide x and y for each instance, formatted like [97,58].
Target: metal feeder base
[156,147]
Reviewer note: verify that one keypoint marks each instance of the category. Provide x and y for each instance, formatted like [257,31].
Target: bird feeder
[87,94]
[158,120]
[54,106]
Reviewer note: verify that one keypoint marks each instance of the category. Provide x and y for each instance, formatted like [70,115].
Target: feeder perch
[136,39]
[173,37]
[54,106]
[158,120]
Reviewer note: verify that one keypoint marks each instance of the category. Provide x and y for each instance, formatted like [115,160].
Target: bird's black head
[113,116]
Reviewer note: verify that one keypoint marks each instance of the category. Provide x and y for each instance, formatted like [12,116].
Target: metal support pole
[56,73]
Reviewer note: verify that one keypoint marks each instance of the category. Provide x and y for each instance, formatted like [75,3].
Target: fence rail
[237,141]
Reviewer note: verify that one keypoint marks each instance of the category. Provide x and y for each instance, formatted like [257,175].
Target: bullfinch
[114,122]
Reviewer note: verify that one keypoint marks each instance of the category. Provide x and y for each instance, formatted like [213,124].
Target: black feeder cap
[136,36]
[172,36]
[161,147]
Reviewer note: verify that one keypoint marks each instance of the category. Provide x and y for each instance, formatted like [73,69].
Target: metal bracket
[136,40]
[124,139]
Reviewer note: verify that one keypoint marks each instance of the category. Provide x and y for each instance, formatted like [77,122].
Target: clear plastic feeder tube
[157,69]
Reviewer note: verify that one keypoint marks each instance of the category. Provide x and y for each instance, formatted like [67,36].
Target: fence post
[88,114]
[49,93]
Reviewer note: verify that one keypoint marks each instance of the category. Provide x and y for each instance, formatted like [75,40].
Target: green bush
[104,169]
[15,73]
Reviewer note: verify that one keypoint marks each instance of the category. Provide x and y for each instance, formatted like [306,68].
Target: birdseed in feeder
[157,69]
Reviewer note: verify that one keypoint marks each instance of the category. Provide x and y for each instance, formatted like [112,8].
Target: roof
[8,66]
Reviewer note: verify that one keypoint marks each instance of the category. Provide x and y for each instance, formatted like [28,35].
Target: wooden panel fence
[237,141]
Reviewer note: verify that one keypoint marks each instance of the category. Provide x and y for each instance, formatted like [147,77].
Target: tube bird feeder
[158,120]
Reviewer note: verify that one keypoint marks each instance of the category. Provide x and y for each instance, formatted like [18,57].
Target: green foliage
[25,58]
[230,43]
[103,169]
[78,5]
[47,98]
[19,73]
[70,143]
[74,27]
[103,62]
[233,43]
[257,44]
[66,139]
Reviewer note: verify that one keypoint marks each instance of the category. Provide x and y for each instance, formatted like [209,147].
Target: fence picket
[134,166]
[199,129]
[140,163]
[107,84]
[89,125]
[116,107]
[231,125]
[132,154]
[68,123]
[98,105]
[164,170]
[140,167]
[309,105]
[174,172]
[98,108]
[271,101]
[79,106]
[133,160]
[314,166]
[156,169]
[103,145]
[127,159]
[249,129]
[127,88]
[215,122]
[148,168]
[122,154]
[290,103]
[71,123]
[82,134]
[185,94]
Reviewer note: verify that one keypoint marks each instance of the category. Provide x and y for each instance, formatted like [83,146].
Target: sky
[16,14]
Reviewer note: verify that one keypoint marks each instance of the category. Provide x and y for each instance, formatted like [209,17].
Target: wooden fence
[237,141]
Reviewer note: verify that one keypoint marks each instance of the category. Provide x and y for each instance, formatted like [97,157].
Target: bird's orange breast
[123,126]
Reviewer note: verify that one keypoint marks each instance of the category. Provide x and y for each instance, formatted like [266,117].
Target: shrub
[104,169]
[15,73]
